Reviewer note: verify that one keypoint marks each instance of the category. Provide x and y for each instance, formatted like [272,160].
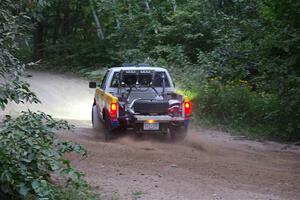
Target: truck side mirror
[92,84]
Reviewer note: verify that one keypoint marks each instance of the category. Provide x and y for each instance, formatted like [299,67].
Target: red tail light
[187,107]
[113,110]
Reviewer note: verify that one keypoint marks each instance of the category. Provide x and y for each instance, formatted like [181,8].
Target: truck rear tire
[108,131]
[95,118]
[178,133]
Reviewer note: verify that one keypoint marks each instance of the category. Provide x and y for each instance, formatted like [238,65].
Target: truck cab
[141,98]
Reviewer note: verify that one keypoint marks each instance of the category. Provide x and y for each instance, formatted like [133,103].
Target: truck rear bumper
[165,122]
[158,118]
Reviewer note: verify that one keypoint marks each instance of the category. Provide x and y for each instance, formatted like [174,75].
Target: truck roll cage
[138,78]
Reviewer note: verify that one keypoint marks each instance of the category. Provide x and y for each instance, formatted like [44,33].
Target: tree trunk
[38,44]
[147,6]
[77,18]
[100,32]
[174,6]
[57,24]
[116,13]
[129,9]
[221,3]
[66,21]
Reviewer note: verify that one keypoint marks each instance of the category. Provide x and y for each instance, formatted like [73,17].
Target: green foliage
[17,91]
[31,156]
[235,106]
[32,163]
[12,88]
[198,40]
[267,59]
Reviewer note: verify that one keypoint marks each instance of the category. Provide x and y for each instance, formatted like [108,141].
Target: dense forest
[237,59]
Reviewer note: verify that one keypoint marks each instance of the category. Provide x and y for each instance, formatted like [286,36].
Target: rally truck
[141,98]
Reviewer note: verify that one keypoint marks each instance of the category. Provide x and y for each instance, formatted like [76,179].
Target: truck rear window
[143,79]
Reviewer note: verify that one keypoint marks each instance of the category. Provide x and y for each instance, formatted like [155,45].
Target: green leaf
[23,190]
[35,184]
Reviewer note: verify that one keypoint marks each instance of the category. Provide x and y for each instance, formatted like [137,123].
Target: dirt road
[207,165]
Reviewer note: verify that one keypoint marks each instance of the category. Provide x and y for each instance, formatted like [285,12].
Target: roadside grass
[137,194]
[235,108]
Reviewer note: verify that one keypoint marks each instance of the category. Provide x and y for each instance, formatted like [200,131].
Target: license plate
[151,126]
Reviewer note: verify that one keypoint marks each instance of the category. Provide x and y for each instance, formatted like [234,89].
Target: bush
[234,105]
[31,155]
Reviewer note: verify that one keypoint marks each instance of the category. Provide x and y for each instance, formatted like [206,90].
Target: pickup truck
[141,98]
